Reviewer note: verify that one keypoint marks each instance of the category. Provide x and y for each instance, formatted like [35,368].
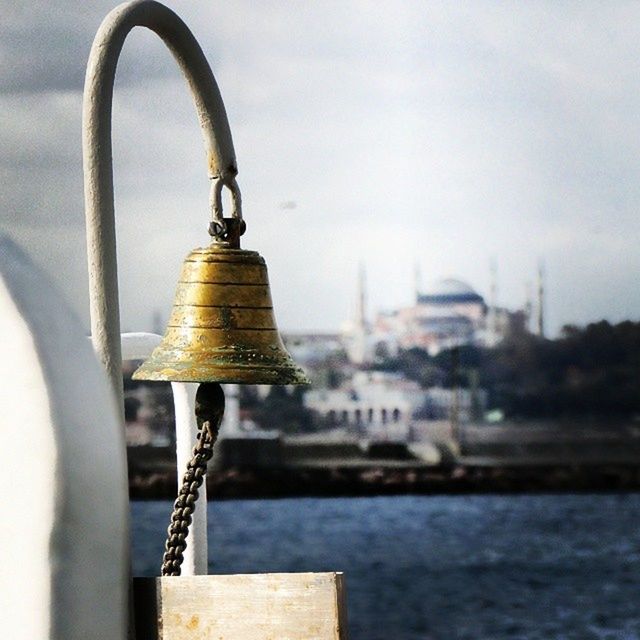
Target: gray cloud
[442,132]
[44,47]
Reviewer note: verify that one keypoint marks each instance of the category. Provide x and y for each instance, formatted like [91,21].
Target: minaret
[493,303]
[528,306]
[417,282]
[359,339]
[541,299]
[494,290]
[361,300]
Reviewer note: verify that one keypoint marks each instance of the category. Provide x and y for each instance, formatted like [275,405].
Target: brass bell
[222,327]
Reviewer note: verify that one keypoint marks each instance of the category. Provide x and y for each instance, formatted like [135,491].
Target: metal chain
[185,503]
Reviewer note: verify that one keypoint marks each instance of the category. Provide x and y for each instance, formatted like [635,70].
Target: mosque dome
[450,290]
[450,287]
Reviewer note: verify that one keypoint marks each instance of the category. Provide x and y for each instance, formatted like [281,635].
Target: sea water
[439,567]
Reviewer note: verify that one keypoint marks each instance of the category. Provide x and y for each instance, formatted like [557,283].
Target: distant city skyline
[446,134]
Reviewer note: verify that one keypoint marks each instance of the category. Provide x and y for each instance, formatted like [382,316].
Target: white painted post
[137,346]
[63,487]
[196,554]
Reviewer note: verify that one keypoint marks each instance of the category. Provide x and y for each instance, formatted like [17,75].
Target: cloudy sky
[392,133]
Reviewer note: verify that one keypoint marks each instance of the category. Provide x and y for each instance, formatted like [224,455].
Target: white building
[383,406]
[462,405]
[374,403]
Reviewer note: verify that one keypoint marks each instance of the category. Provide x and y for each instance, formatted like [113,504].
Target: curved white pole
[98,169]
[137,346]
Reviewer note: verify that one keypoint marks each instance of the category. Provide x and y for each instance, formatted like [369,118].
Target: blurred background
[446,196]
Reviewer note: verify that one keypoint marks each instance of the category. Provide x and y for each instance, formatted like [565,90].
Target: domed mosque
[446,314]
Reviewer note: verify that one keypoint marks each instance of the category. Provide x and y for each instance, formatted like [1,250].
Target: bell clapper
[209,412]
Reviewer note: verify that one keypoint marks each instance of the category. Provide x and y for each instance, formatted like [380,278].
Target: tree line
[588,371]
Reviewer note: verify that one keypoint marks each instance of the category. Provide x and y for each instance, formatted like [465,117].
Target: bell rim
[236,374]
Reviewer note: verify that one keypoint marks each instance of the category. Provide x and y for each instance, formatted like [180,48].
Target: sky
[442,134]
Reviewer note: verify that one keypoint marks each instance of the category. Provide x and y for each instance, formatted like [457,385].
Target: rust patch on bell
[193,623]
[227,318]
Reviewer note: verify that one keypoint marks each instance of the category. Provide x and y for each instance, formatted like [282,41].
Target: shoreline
[238,483]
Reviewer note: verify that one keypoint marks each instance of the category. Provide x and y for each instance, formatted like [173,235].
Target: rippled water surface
[440,567]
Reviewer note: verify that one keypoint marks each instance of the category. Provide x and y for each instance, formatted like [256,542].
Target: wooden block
[265,606]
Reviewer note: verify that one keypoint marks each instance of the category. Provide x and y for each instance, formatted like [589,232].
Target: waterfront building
[459,404]
[384,406]
[375,404]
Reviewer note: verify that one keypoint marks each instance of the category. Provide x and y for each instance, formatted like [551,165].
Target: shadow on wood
[268,606]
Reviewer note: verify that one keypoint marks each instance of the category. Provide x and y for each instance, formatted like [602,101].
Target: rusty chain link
[209,411]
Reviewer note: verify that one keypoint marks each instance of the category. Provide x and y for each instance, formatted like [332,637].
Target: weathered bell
[222,327]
